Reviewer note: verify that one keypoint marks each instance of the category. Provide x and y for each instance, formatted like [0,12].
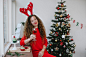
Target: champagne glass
[34,32]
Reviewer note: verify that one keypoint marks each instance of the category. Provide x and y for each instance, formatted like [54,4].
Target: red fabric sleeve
[22,40]
[45,42]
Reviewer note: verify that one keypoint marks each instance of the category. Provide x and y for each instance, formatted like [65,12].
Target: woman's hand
[41,53]
[32,36]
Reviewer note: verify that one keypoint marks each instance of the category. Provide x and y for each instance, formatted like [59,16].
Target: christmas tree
[61,44]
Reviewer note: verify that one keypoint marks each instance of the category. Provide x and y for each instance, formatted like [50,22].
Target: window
[5,21]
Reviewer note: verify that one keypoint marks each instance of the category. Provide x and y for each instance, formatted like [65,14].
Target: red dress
[37,47]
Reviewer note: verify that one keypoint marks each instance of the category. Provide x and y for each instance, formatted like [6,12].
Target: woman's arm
[45,44]
[24,41]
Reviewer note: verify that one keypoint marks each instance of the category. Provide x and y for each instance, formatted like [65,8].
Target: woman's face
[34,21]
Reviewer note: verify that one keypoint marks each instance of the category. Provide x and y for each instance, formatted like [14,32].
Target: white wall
[45,10]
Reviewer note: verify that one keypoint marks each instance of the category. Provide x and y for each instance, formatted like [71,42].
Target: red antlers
[25,10]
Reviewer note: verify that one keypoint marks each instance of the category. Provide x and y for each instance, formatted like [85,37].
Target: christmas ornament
[57,25]
[55,15]
[68,16]
[63,23]
[70,52]
[50,44]
[73,51]
[51,32]
[59,28]
[61,5]
[60,40]
[64,17]
[81,26]
[51,49]
[56,34]
[73,21]
[58,8]
[74,45]
[56,40]
[60,15]
[67,50]
[65,10]
[64,46]
[71,39]
[63,36]
[61,43]
[77,24]
[60,54]
[69,25]
[56,49]
[68,33]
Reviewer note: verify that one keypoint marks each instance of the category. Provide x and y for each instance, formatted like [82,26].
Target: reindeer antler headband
[25,10]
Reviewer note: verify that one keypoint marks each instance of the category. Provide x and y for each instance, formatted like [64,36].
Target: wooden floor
[27,54]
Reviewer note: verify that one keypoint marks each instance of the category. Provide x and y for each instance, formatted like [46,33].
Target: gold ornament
[62,5]
[74,45]
[68,40]
[69,25]
[59,28]
[57,25]
[60,15]
[70,52]
[56,40]
[55,15]
[51,32]
[65,34]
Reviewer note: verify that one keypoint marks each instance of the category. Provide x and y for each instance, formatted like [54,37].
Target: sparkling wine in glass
[34,32]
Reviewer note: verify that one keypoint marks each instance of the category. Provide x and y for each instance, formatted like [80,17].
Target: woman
[38,46]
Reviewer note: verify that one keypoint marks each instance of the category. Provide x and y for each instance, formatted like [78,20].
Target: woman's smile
[35,23]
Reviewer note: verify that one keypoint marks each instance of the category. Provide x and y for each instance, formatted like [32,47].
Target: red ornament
[73,51]
[50,44]
[81,26]
[56,33]
[71,39]
[73,21]
[64,18]
[58,8]
[61,43]
[67,33]
[65,10]
[64,46]
[68,16]
[60,40]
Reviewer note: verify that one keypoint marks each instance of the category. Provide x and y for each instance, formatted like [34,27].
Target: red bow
[25,10]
